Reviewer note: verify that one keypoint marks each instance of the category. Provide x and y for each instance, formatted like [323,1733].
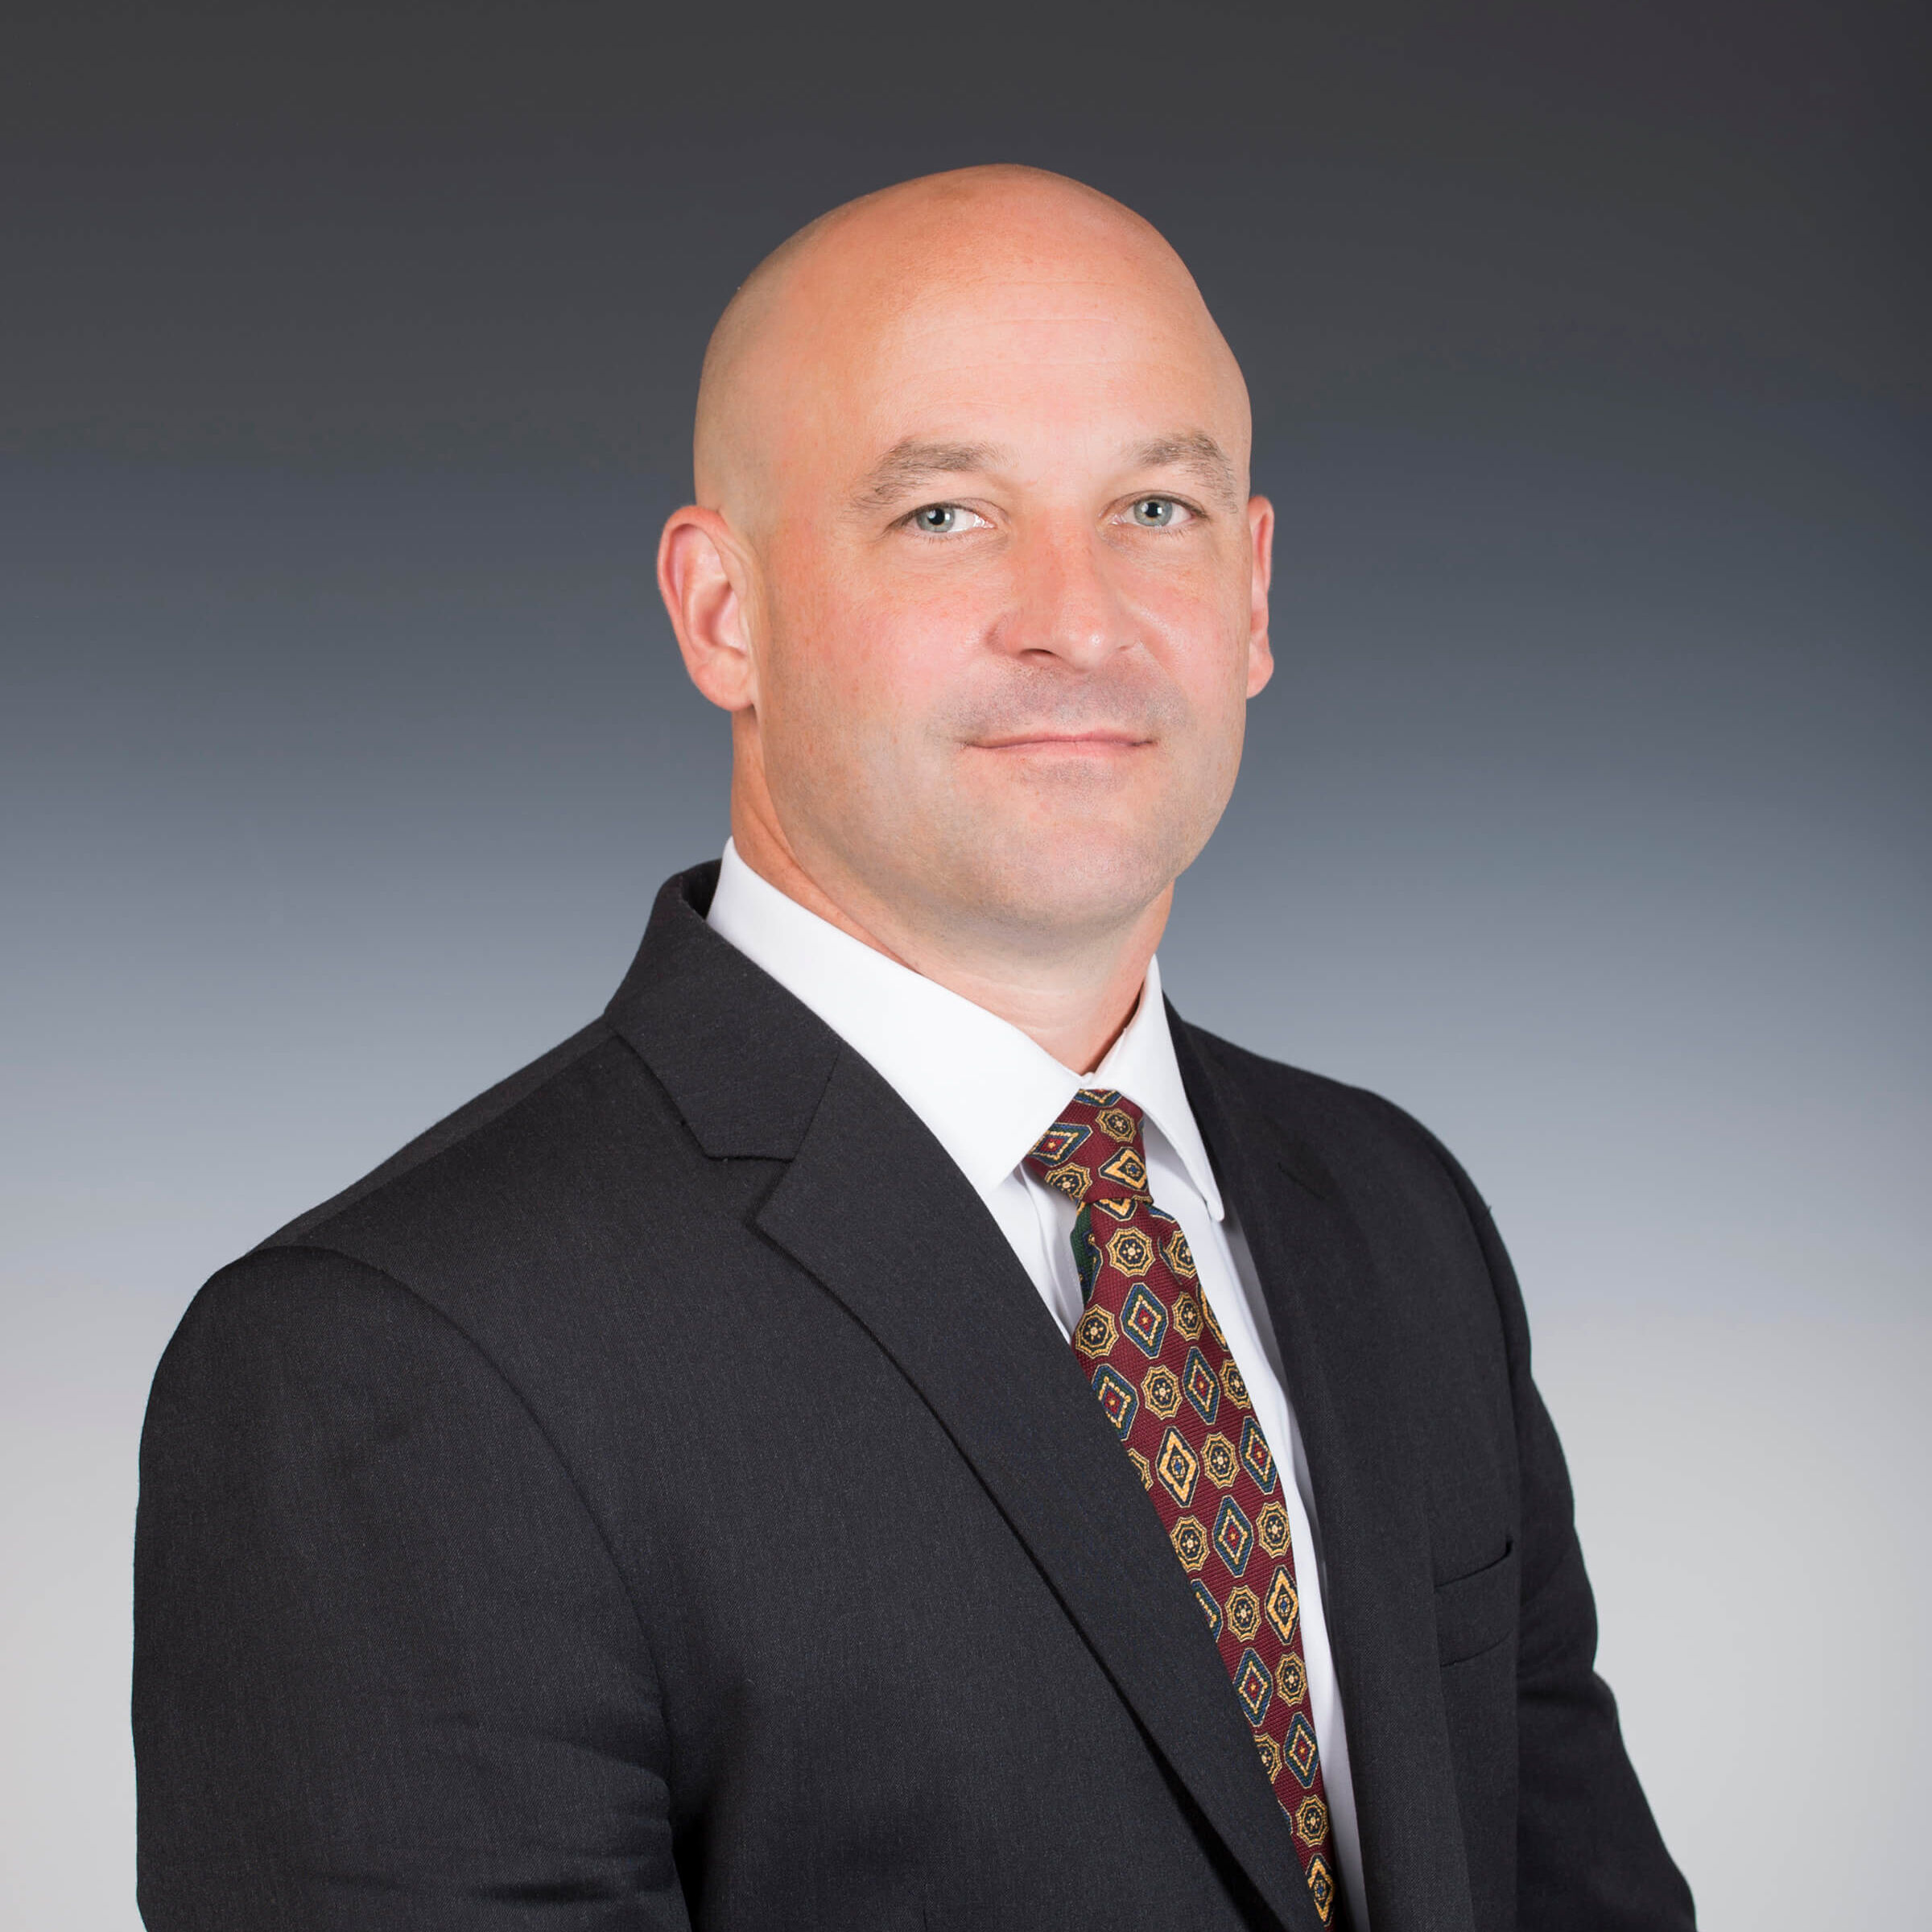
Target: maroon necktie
[1160,1366]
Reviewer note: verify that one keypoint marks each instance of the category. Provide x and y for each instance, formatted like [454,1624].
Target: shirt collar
[984,1089]
[1142,1065]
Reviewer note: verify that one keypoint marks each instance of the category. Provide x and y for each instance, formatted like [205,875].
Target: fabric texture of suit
[658,1496]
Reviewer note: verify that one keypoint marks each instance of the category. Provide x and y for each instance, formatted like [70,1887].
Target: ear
[1260,536]
[705,577]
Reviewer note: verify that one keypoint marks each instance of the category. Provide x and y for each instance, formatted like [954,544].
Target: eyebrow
[1195,450]
[910,464]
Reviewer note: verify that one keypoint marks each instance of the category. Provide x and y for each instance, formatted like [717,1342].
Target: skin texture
[975,570]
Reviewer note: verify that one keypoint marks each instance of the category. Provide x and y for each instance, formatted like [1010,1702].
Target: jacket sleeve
[1589,1857]
[386,1674]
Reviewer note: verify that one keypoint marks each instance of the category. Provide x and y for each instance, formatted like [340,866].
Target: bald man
[890,1426]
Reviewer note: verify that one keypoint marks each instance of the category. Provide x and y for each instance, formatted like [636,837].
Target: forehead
[1097,348]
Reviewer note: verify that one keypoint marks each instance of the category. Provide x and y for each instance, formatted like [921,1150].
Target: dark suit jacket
[659,1497]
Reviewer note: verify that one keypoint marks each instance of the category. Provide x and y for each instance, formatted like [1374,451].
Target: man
[889,1426]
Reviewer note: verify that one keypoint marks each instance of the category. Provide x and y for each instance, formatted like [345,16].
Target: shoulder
[1429,1233]
[493,1201]
[508,1104]
[1357,1140]
[477,1257]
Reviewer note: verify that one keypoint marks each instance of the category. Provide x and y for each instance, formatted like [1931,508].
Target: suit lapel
[874,1208]
[1332,1323]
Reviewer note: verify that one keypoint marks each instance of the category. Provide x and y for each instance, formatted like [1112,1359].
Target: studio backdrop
[346,366]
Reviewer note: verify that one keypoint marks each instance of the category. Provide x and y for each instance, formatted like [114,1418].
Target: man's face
[1011,598]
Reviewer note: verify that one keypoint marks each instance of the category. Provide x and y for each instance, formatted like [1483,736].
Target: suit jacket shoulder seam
[422,1149]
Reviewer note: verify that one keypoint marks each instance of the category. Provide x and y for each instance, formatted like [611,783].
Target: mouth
[1098,744]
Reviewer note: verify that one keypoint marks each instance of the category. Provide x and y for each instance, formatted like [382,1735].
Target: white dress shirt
[987,1092]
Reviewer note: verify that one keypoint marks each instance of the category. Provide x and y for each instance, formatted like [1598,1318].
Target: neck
[1074,1001]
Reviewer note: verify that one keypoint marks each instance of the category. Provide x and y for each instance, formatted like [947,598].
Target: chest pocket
[1474,1613]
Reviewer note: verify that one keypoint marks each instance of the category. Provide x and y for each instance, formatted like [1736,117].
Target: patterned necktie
[1160,1366]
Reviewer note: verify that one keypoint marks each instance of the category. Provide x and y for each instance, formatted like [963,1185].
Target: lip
[1079,740]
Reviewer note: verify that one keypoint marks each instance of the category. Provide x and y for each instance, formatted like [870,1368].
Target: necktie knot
[1092,1152]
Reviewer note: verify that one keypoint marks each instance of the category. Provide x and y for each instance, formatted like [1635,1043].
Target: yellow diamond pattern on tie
[1149,1343]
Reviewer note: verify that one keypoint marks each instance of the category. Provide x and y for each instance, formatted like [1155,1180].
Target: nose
[1065,604]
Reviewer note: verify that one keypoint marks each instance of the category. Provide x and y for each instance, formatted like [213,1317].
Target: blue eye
[1155,513]
[939,519]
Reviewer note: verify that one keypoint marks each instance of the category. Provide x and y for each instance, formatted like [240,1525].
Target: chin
[1069,879]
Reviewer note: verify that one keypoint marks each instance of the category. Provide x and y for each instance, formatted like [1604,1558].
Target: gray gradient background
[345,367]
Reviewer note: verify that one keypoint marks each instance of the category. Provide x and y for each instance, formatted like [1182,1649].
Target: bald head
[974,568]
[904,268]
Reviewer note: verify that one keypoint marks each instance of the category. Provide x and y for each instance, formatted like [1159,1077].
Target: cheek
[1199,629]
[867,659]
